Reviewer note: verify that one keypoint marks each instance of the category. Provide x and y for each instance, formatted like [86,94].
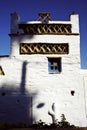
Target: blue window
[54,65]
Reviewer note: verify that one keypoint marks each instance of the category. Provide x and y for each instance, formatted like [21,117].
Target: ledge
[21,34]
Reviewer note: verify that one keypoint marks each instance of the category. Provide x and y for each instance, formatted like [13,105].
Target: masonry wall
[30,90]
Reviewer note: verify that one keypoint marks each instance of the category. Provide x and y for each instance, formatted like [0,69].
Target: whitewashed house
[43,71]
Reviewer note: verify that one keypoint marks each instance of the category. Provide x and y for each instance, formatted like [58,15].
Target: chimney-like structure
[15,18]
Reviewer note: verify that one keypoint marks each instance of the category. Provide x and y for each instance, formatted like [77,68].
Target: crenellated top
[44,25]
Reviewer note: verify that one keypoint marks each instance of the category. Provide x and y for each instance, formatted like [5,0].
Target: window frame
[54,65]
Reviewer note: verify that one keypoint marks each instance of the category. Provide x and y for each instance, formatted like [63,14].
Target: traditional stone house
[43,69]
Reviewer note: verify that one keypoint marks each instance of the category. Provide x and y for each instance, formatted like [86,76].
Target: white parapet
[74,18]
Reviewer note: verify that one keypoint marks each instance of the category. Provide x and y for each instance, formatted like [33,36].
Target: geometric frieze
[46,28]
[44,48]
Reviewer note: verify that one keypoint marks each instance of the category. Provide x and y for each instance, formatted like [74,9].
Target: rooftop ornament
[44,17]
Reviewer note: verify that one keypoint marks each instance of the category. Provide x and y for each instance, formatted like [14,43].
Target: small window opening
[54,65]
[72,92]
[1,71]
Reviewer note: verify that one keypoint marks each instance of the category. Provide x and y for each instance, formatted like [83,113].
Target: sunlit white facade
[43,69]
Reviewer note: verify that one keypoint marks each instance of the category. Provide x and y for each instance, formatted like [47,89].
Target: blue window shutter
[54,65]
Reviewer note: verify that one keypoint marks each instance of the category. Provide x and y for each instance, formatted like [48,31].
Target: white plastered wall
[30,75]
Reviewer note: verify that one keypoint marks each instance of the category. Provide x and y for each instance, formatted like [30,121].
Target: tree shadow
[16,102]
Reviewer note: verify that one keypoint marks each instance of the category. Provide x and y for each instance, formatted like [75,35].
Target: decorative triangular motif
[44,17]
[1,71]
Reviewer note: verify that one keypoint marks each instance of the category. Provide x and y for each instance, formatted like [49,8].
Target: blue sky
[29,9]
